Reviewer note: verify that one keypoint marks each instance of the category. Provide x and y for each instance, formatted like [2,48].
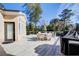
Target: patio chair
[49,36]
[40,36]
[53,34]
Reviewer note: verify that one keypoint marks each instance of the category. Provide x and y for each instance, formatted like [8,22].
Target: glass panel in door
[9,30]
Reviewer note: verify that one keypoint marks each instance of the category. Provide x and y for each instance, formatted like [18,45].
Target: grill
[70,48]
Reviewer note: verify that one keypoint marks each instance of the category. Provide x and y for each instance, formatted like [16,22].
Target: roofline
[20,12]
[10,10]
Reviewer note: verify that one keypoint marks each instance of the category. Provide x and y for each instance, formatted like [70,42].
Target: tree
[54,20]
[44,27]
[77,27]
[56,24]
[27,28]
[34,12]
[50,27]
[65,16]
[31,26]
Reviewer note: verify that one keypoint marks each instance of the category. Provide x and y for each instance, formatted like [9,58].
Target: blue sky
[49,10]
[13,6]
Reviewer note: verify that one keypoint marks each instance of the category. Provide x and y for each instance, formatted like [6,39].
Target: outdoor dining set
[45,36]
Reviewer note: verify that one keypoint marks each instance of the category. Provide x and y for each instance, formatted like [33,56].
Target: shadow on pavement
[33,39]
[48,50]
[3,53]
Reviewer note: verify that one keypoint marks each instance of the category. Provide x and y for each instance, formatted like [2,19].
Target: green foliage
[77,26]
[31,26]
[50,27]
[34,12]
[61,24]
[55,24]
[27,29]
[66,13]
[65,16]
[44,28]
[53,21]
[65,28]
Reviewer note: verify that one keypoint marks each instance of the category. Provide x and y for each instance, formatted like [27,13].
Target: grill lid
[72,35]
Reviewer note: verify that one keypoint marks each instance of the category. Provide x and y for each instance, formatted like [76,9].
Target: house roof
[11,12]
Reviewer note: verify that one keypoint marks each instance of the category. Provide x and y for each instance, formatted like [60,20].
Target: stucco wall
[1,28]
[15,20]
[22,27]
[20,24]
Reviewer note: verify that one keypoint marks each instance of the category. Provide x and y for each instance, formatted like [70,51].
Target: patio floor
[30,46]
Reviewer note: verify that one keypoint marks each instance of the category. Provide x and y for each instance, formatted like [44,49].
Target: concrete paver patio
[30,46]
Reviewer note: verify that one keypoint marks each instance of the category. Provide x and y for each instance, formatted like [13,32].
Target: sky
[49,10]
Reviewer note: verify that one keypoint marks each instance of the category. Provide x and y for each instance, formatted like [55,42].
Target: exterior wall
[20,24]
[1,28]
[15,20]
[22,27]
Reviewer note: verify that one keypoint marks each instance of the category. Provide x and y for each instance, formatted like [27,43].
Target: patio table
[44,36]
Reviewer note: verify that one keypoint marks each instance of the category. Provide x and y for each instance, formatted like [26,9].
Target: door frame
[5,30]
